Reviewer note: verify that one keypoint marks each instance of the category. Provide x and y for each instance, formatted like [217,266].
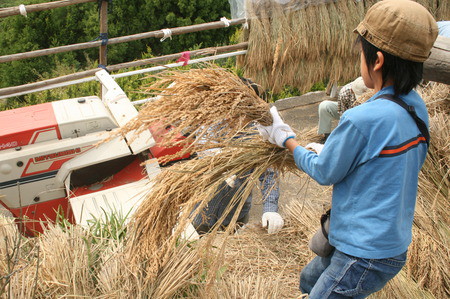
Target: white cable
[225,21]
[22,10]
[131,73]
[167,34]
[176,64]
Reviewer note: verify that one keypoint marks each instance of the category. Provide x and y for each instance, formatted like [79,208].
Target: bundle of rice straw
[197,103]
[302,42]
[214,109]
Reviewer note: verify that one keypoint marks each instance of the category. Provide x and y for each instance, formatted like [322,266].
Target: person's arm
[343,151]
[270,190]
[270,194]
[291,144]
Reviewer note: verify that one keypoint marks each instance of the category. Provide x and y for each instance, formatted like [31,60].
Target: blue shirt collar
[385,90]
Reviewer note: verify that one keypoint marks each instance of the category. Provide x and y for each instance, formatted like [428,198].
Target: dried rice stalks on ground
[276,259]
[402,286]
[17,275]
[52,265]
[71,262]
[115,277]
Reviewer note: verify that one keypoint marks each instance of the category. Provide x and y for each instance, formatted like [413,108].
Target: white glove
[264,131]
[231,180]
[317,147]
[273,221]
[209,152]
[278,132]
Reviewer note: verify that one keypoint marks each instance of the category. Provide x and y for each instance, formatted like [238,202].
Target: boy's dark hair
[406,74]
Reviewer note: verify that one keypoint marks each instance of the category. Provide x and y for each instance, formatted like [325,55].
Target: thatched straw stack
[304,42]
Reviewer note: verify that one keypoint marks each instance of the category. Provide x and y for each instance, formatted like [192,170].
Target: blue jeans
[342,276]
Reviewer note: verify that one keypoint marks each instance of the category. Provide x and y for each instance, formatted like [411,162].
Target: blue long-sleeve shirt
[373,159]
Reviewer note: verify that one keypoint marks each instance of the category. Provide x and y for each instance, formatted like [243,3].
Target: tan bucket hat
[402,28]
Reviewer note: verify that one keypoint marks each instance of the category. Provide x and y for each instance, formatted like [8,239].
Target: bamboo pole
[117,40]
[12,11]
[103,32]
[156,60]
[437,66]
[102,56]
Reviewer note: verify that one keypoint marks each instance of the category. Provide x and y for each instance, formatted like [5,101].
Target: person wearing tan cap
[372,158]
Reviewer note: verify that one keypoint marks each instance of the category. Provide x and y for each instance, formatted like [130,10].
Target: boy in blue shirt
[372,158]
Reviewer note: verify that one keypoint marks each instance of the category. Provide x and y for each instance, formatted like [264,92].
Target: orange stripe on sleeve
[403,148]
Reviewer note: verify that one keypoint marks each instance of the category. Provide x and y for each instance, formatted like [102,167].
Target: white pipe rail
[131,73]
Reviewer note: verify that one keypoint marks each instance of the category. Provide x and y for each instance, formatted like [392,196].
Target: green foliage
[111,226]
[80,23]
[319,86]
[61,220]
[10,3]
[287,92]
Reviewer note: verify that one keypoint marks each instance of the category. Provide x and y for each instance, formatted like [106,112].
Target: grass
[10,3]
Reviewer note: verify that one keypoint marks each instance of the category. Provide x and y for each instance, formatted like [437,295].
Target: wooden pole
[117,40]
[116,67]
[103,32]
[437,66]
[12,11]
[103,59]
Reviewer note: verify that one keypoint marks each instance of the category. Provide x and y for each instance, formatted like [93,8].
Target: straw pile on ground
[68,261]
[303,42]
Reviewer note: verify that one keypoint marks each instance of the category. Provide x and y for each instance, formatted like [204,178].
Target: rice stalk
[66,261]
[185,186]
[200,100]
[115,277]
[17,270]
[217,109]
[247,286]
[402,286]
[179,273]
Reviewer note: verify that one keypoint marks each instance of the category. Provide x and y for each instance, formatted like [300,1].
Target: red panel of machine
[23,126]
[158,151]
[131,173]
[31,218]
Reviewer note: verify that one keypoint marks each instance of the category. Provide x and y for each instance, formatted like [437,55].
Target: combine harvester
[52,162]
